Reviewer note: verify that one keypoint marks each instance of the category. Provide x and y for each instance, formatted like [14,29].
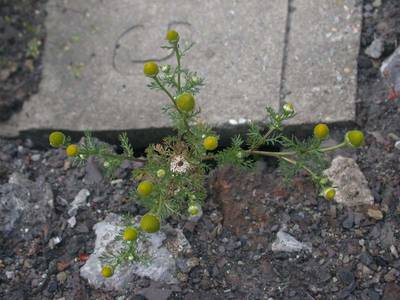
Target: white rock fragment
[35,157]
[287,243]
[233,122]
[394,252]
[375,50]
[54,241]
[116,181]
[164,247]
[80,200]
[240,121]
[72,222]
[390,71]
[377,3]
[243,121]
[350,183]
[9,274]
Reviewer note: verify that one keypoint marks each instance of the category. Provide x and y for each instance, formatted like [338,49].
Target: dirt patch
[22,34]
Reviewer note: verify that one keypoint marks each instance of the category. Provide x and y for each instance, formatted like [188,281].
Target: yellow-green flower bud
[329,193]
[72,150]
[288,108]
[185,102]
[172,36]
[145,188]
[130,234]
[195,79]
[321,131]
[150,69]
[354,138]
[161,173]
[165,68]
[150,223]
[56,139]
[194,209]
[107,271]
[210,143]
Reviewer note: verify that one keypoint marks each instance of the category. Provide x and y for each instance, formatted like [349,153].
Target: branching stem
[264,138]
[162,87]
[293,162]
[290,153]
[116,156]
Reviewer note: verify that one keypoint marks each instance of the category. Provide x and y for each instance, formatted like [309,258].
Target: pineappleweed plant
[171,181]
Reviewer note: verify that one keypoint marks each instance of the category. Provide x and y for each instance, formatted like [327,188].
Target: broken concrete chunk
[350,183]
[287,243]
[165,248]
[375,50]
[79,200]
[25,205]
[390,70]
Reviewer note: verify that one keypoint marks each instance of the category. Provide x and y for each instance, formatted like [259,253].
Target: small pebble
[375,213]
[377,3]
[61,277]
[35,157]
[72,222]
[54,241]
[394,252]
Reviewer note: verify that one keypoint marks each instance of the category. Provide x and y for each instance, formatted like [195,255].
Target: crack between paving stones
[282,86]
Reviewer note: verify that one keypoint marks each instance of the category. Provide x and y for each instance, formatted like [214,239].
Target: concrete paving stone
[95,50]
[94,54]
[320,74]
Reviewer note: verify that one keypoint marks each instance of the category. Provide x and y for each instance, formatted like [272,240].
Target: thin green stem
[115,156]
[293,162]
[343,144]
[264,138]
[125,157]
[159,206]
[178,68]
[184,118]
[290,153]
[162,87]
[267,153]
[271,130]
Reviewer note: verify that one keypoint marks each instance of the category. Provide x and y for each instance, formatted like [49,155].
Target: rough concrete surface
[320,76]
[239,50]
[94,54]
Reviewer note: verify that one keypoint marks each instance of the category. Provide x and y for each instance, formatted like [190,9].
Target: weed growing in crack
[171,182]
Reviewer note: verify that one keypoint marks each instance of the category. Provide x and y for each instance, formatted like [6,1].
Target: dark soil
[352,254]
[22,33]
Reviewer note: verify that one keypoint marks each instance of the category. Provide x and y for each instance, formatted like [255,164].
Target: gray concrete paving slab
[94,54]
[252,53]
[320,74]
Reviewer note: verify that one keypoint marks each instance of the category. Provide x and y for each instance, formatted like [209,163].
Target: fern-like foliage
[175,169]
